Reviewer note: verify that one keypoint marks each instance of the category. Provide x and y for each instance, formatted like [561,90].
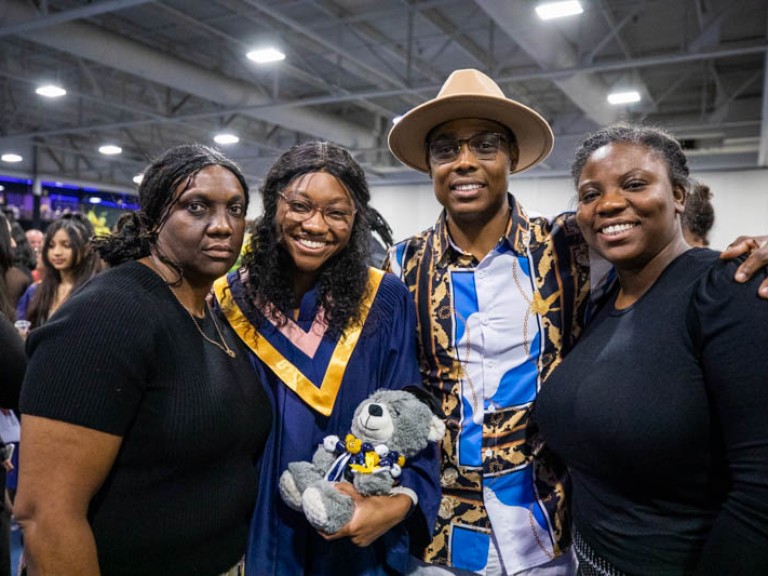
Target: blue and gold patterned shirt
[489,333]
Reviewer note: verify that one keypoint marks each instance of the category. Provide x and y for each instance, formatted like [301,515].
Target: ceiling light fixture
[552,10]
[265,55]
[110,149]
[11,157]
[138,178]
[51,91]
[94,200]
[226,139]
[629,97]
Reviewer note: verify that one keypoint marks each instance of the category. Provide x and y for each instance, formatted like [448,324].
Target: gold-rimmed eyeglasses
[335,217]
[484,146]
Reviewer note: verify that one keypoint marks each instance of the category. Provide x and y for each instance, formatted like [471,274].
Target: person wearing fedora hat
[501,298]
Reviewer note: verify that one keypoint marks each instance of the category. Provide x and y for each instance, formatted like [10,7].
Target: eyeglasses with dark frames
[303,210]
[484,146]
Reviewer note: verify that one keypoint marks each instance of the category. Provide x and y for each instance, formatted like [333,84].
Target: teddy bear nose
[375,410]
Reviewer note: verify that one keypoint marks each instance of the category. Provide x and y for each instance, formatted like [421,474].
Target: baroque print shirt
[489,333]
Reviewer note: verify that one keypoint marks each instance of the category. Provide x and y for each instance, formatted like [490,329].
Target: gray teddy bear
[388,428]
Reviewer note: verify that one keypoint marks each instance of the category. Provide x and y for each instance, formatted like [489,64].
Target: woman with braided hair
[141,413]
[325,330]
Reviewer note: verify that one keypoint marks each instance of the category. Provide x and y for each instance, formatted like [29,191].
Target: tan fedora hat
[470,94]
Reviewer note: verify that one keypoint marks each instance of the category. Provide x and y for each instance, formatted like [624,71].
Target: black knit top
[660,414]
[122,356]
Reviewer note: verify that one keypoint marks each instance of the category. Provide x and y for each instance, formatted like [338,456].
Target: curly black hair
[175,167]
[660,141]
[343,279]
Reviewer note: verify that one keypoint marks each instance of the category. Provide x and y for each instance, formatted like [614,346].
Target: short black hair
[699,214]
[660,141]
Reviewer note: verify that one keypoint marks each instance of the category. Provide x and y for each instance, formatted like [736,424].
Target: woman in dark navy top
[660,411]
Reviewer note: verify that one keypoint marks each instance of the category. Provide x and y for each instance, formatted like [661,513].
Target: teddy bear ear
[436,429]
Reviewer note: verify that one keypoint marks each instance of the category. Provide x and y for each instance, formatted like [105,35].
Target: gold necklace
[223,346]
[528,309]
[532,522]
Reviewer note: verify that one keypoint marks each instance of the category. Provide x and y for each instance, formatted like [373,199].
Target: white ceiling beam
[118,52]
[47,20]
[425,90]
[552,51]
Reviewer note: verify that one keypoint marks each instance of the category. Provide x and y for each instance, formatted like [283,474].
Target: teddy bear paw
[327,509]
[289,492]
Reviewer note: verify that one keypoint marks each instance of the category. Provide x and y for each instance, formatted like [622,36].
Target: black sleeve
[733,325]
[13,363]
[89,364]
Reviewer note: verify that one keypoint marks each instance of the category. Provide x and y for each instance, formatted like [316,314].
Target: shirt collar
[516,235]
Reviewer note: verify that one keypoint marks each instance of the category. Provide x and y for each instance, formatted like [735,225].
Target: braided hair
[137,233]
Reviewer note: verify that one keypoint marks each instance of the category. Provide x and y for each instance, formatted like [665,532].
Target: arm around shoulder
[757,261]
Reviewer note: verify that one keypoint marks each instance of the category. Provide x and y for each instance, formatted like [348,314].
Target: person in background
[19,276]
[699,215]
[325,330]
[25,258]
[659,411]
[11,347]
[501,298]
[7,245]
[380,241]
[68,260]
[13,363]
[141,414]
[35,239]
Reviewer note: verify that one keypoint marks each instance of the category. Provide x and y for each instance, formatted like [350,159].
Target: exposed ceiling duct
[552,51]
[92,43]
[147,74]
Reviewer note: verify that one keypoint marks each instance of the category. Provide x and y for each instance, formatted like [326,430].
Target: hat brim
[407,139]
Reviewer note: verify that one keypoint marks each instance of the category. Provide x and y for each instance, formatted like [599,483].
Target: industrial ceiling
[145,75]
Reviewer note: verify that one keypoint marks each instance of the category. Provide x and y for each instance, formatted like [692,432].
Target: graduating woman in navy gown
[325,330]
